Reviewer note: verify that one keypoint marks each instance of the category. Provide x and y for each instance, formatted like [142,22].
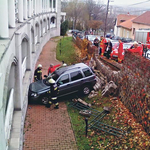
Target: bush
[64,28]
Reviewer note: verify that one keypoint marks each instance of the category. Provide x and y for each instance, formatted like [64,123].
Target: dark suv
[70,79]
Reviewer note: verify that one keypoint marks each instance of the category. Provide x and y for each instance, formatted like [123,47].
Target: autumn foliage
[86,48]
[135,88]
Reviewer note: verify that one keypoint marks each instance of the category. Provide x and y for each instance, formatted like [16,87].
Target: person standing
[108,49]
[52,68]
[53,94]
[102,45]
[136,49]
[96,42]
[64,64]
[38,73]
[120,52]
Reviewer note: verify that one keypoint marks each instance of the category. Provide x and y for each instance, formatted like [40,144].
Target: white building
[25,27]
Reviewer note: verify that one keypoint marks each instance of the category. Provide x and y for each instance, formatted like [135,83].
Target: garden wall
[135,88]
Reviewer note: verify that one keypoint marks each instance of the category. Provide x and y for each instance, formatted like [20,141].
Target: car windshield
[125,46]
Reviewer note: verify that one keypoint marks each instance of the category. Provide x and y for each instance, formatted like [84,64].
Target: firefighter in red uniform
[136,49]
[120,52]
[53,94]
[102,45]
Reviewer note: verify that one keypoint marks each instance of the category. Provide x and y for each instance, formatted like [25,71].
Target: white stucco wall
[11,48]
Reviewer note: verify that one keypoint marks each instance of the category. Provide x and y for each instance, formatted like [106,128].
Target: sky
[133,3]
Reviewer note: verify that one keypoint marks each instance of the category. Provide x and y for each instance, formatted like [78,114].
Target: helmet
[135,42]
[39,66]
[51,65]
[64,65]
[52,81]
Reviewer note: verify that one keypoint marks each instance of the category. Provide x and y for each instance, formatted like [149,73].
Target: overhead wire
[140,3]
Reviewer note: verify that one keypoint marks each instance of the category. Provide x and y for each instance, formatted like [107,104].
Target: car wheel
[86,90]
[44,100]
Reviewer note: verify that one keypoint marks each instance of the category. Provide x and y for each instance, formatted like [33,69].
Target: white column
[48,5]
[11,13]
[19,88]
[25,9]
[4,19]
[29,53]
[29,9]
[37,6]
[20,10]
[34,6]
[52,6]
[44,5]
[41,7]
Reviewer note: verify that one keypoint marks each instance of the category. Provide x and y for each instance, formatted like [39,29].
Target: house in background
[126,28]
[119,20]
[141,22]
[126,24]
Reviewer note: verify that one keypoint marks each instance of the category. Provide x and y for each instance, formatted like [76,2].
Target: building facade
[25,27]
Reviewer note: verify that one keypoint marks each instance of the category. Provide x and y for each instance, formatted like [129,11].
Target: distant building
[119,20]
[141,22]
[25,27]
[126,28]
[127,24]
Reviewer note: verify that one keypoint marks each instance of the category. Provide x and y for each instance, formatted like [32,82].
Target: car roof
[77,66]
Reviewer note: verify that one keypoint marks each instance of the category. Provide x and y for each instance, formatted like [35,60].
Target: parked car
[109,35]
[70,79]
[126,40]
[74,31]
[116,38]
[114,53]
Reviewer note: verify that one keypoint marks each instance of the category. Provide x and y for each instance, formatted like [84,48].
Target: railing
[24,67]
[9,116]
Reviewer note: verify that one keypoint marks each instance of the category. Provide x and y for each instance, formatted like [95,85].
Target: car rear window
[76,75]
[87,72]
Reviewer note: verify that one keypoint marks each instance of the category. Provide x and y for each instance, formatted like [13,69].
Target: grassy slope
[67,51]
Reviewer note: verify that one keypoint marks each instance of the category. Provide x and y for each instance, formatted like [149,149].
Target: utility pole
[106,18]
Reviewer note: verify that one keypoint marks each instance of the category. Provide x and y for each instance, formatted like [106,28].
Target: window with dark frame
[76,75]
[87,72]
[64,79]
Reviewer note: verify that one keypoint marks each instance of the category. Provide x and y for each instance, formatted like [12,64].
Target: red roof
[127,24]
[143,19]
[123,17]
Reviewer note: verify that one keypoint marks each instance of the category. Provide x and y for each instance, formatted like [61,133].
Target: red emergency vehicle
[143,36]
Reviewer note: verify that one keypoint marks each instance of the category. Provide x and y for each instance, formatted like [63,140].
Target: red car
[114,53]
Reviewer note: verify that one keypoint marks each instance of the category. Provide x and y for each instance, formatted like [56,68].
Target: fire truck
[143,36]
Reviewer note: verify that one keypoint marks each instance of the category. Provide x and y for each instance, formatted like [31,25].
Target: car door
[76,81]
[63,85]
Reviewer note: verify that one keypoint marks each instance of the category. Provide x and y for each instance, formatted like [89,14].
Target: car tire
[44,100]
[86,89]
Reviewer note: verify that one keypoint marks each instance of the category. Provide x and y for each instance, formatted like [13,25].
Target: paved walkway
[48,128]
